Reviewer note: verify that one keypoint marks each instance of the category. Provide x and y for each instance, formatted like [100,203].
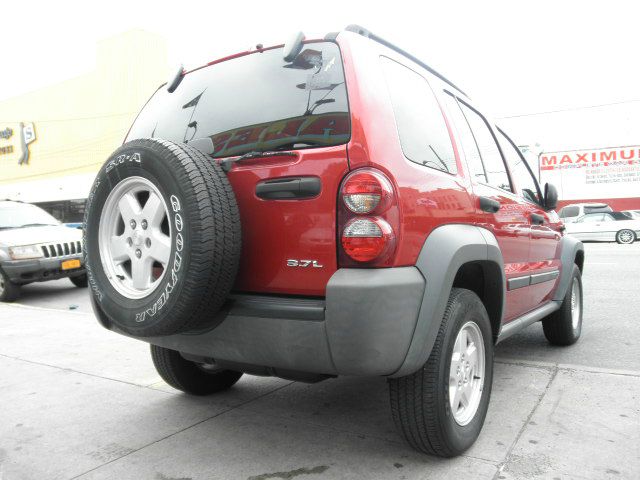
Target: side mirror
[550,197]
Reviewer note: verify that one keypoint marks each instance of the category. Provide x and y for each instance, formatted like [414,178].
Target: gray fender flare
[569,248]
[444,251]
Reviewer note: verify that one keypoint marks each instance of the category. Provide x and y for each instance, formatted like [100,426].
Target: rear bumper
[40,269]
[363,327]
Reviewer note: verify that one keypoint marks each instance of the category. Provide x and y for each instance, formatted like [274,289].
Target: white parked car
[635,214]
[570,213]
[605,227]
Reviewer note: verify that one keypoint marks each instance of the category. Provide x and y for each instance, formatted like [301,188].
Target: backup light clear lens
[362,228]
[362,202]
[366,190]
[365,239]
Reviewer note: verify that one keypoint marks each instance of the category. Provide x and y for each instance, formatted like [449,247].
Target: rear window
[597,209]
[256,102]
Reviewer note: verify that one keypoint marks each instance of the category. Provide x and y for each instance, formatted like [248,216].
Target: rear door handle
[489,205]
[296,188]
[537,219]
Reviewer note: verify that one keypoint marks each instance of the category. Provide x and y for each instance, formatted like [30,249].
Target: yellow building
[54,140]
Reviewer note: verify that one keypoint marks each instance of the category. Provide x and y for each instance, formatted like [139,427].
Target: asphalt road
[77,401]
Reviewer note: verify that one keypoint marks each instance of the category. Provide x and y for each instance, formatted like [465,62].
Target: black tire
[559,327]
[9,291]
[205,243]
[420,402]
[626,237]
[80,281]
[188,376]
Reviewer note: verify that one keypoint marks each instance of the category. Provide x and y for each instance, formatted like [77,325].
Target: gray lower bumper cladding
[364,327]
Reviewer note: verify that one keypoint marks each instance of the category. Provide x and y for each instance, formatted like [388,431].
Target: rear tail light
[365,239]
[364,191]
[367,216]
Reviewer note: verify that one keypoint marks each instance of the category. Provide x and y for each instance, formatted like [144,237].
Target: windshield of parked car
[257,102]
[16,215]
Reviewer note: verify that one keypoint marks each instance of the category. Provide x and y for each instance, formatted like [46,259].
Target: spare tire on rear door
[162,238]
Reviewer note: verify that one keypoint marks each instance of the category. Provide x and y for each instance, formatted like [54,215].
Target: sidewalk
[81,402]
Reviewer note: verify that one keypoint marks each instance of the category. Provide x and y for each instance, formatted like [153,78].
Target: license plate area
[70,264]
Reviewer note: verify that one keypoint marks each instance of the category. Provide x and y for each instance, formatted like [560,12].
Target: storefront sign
[15,141]
[598,173]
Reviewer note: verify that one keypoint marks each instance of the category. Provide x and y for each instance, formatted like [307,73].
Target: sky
[515,59]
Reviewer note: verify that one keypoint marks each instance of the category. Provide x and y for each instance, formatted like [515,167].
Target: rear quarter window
[423,134]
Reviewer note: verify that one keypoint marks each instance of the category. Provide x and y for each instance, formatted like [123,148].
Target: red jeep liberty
[329,207]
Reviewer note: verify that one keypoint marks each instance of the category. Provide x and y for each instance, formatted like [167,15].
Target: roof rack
[368,34]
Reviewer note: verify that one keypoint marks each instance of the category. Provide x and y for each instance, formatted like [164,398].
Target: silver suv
[35,247]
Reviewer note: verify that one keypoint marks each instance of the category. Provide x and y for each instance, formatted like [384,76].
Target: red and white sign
[604,173]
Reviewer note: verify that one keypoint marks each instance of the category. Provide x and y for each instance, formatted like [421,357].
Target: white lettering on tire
[120,159]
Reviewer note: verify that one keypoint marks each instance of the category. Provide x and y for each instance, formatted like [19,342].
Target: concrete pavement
[77,401]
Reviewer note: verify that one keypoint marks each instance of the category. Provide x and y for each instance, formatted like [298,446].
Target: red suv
[329,207]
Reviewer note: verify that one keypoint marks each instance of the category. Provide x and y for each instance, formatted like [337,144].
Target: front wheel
[9,291]
[440,409]
[625,236]
[191,377]
[80,281]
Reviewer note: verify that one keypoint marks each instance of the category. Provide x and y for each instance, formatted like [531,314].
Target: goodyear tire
[162,238]
[440,409]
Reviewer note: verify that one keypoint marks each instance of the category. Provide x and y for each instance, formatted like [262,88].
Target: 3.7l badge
[303,263]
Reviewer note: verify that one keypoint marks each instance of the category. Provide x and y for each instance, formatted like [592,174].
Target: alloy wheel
[466,374]
[135,237]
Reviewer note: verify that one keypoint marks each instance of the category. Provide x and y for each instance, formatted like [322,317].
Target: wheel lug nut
[138,253]
[132,224]
[144,224]
[129,241]
[147,242]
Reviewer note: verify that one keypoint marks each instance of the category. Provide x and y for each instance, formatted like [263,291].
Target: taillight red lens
[365,191]
[365,239]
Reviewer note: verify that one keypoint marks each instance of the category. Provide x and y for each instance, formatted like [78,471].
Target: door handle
[537,219]
[289,188]
[489,205]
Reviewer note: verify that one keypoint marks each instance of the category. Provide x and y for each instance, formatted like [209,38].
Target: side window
[468,144]
[593,218]
[421,128]
[493,163]
[608,218]
[569,212]
[520,170]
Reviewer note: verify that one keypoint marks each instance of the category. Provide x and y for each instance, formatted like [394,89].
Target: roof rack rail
[368,34]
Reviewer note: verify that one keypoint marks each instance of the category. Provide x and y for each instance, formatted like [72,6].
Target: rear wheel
[625,236]
[80,281]
[191,377]
[564,326]
[440,409]
[9,291]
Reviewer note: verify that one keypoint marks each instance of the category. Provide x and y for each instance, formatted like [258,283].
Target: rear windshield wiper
[227,163]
